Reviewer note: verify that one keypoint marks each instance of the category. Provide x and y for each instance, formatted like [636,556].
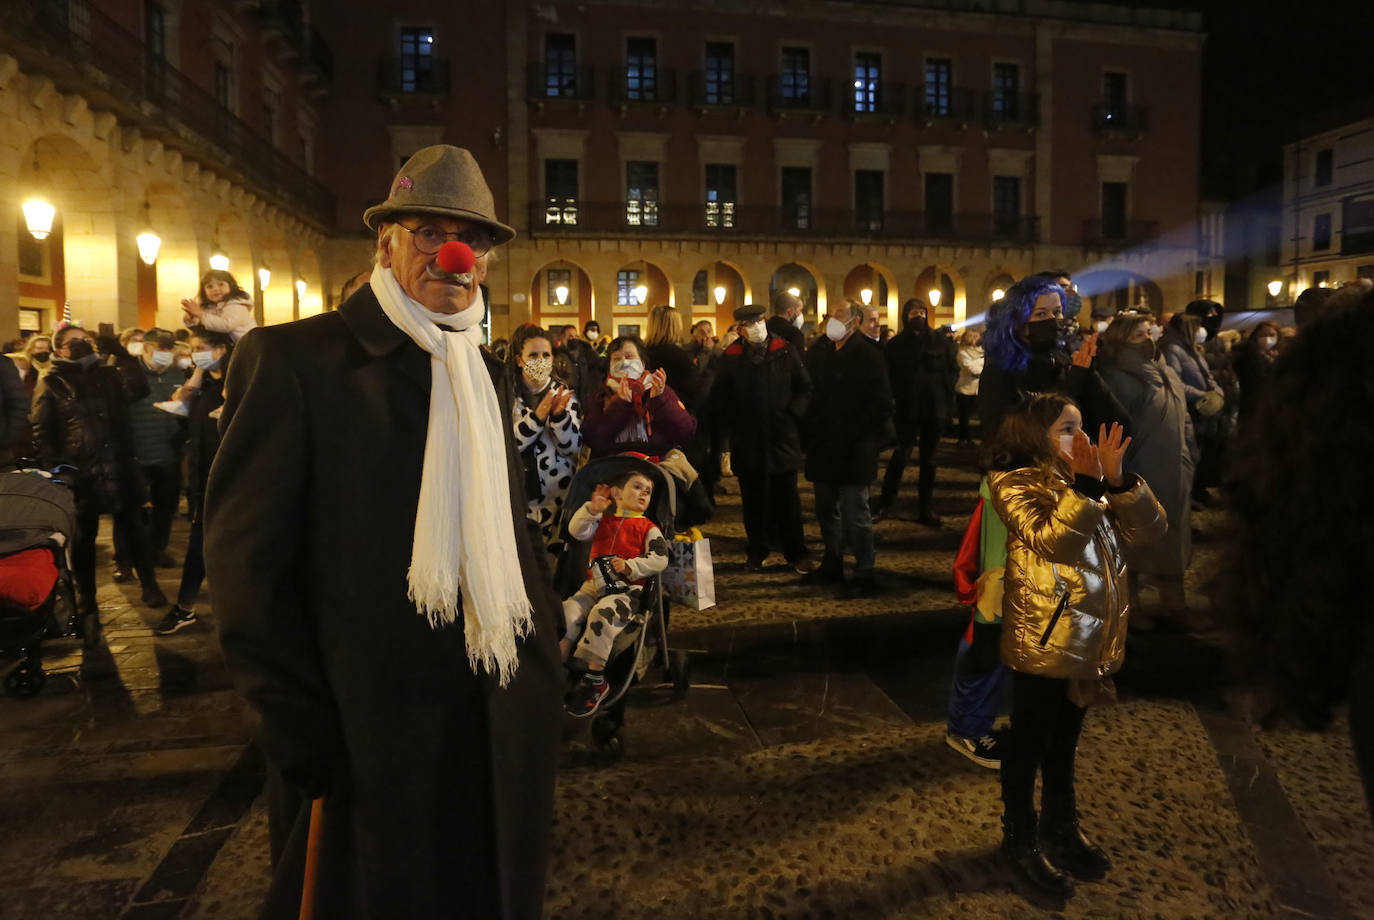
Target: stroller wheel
[679,674]
[606,737]
[25,680]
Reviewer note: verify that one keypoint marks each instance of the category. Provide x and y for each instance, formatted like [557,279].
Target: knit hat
[446,181]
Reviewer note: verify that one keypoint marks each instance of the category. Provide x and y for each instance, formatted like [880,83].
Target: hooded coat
[922,367]
[438,782]
[1163,452]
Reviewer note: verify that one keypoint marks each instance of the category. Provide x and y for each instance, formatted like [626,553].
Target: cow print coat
[549,452]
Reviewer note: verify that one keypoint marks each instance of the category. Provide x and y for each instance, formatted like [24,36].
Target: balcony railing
[739,91]
[576,85]
[1011,109]
[399,77]
[1119,233]
[813,95]
[1124,118]
[653,87]
[567,217]
[891,100]
[83,50]
[956,103]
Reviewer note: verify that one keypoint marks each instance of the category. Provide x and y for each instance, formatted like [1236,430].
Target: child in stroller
[627,548]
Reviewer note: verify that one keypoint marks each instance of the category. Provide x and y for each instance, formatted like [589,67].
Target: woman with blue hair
[1023,356]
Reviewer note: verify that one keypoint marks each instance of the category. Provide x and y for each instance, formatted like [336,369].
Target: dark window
[641,69]
[1006,92]
[224,85]
[625,284]
[868,75]
[560,65]
[560,192]
[1321,279]
[794,82]
[939,201]
[868,199]
[417,59]
[939,86]
[1321,231]
[1114,210]
[1006,201]
[720,73]
[155,30]
[641,194]
[720,195]
[700,281]
[559,277]
[1114,95]
[271,115]
[796,196]
[1325,167]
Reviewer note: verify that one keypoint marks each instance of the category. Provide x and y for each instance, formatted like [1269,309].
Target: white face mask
[184,363]
[161,360]
[1066,444]
[1268,341]
[835,330]
[134,348]
[756,332]
[799,320]
[1155,332]
[1101,326]
[632,368]
[538,370]
[1200,336]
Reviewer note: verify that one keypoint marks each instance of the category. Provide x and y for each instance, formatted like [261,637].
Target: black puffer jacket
[80,417]
[922,365]
[759,397]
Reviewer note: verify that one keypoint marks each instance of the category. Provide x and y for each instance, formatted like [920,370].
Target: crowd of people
[390,495]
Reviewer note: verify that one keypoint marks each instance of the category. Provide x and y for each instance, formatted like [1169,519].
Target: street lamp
[866,295]
[1275,287]
[148,241]
[561,292]
[998,294]
[38,215]
[641,293]
[720,294]
[934,295]
[264,277]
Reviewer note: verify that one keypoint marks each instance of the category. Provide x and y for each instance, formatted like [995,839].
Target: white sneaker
[173,407]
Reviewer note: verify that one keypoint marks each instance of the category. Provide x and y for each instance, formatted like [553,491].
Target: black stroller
[634,653]
[37,519]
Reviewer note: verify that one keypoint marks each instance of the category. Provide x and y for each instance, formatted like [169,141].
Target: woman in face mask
[1164,451]
[38,350]
[1182,348]
[203,395]
[1254,362]
[548,432]
[635,409]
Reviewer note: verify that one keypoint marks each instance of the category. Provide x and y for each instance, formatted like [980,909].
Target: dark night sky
[1265,69]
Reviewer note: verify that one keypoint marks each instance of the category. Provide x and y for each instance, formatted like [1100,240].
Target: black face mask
[80,348]
[41,356]
[1212,324]
[917,322]
[1042,335]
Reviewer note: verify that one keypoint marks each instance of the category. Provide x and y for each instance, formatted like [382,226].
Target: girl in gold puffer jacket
[1069,509]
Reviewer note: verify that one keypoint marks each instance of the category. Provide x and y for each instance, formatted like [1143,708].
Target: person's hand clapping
[1111,452]
[657,382]
[600,500]
[1086,352]
[624,391]
[1083,458]
[561,403]
[545,407]
[191,308]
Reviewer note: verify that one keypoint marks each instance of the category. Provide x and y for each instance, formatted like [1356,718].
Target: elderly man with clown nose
[382,601]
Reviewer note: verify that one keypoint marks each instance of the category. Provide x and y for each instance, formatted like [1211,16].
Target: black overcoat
[850,416]
[922,367]
[759,397]
[439,784]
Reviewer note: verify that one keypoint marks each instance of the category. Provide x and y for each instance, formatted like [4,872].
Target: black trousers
[164,488]
[772,513]
[1045,725]
[926,436]
[83,551]
[966,406]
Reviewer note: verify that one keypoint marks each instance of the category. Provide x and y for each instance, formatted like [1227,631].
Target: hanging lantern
[998,294]
[641,294]
[720,294]
[264,277]
[38,217]
[561,292]
[866,295]
[300,288]
[219,261]
[148,245]
[1275,287]
[934,295]
[794,291]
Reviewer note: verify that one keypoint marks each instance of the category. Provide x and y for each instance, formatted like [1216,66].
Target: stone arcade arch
[546,311]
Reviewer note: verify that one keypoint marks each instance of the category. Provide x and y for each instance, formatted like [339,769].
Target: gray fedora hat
[446,181]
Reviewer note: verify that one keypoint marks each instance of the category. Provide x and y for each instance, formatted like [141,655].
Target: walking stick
[314,844]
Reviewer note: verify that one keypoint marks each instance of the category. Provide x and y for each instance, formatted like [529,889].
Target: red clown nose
[456,258]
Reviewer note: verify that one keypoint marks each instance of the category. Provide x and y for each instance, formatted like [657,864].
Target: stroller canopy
[32,509]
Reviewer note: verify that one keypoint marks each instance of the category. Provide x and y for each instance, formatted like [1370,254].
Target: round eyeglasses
[428,238]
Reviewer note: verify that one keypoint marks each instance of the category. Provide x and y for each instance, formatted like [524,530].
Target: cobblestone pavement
[804,775]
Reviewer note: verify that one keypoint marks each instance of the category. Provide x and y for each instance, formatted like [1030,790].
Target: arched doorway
[943,288]
[561,294]
[805,282]
[639,285]
[176,273]
[880,284]
[717,290]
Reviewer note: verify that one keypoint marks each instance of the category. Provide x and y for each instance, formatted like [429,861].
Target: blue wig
[1009,314]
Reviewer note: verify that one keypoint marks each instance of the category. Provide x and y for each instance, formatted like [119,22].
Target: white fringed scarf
[464,532]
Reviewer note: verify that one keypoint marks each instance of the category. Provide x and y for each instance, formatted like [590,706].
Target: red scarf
[639,399]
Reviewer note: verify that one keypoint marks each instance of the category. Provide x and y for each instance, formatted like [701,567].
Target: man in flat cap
[759,396]
[363,515]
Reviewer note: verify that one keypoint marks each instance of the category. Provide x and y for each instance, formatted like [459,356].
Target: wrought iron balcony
[568,217]
[739,91]
[652,86]
[888,100]
[427,76]
[810,95]
[577,84]
[951,103]
[1118,234]
[1017,109]
[82,50]
[1116,117]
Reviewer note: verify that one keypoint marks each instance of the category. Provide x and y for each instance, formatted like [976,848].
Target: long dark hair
[1023,438]
[215,274]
